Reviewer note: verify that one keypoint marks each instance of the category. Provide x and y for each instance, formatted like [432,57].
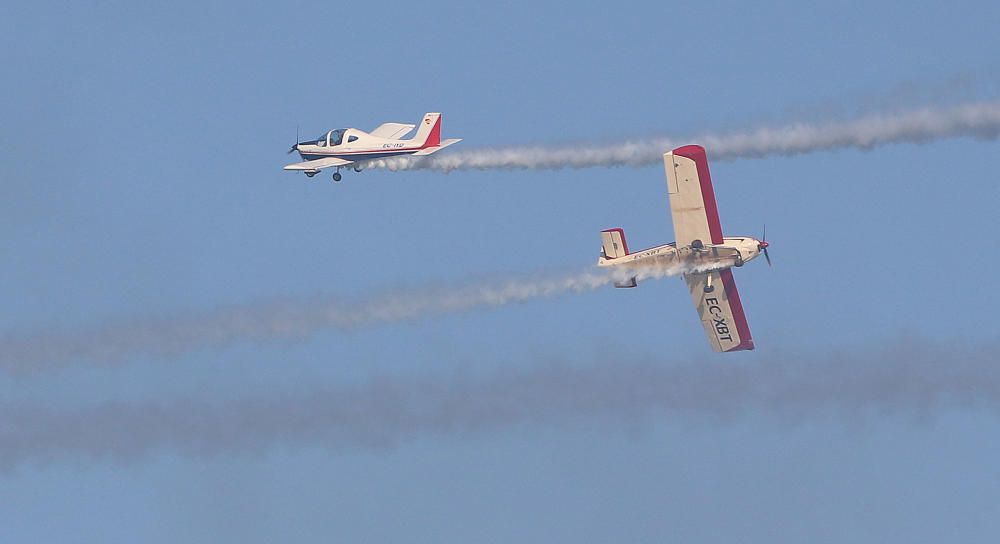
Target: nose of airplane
[762,248]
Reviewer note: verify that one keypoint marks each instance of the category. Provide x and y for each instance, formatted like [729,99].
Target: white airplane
[351,146]
[699,243]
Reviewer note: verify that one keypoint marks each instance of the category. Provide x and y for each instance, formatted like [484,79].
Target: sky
[142,188]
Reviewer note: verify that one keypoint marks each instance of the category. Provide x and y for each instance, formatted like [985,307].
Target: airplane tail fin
[429,133]
[613,246]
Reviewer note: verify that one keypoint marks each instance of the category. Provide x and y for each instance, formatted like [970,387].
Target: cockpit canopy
[332,138]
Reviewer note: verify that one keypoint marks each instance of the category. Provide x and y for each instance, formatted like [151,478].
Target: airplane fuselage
[365,147]
[733,251]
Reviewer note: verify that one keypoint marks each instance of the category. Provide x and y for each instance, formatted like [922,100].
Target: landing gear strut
[708,285]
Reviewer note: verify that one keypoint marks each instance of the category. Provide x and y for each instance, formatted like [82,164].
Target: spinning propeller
[296,146]
[762,245]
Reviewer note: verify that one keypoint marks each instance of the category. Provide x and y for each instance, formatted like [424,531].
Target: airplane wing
[696,218]
[436,148]
[318,164]
[720,310]
[392,131]
[692,200]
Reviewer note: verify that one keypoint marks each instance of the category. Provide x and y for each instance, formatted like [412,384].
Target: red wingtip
[693,152]
[697,154]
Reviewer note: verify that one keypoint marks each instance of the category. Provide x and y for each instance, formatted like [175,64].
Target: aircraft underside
[732,252]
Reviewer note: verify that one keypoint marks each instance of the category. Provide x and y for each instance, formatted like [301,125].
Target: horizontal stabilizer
[626,284]
[392,131]
[436,148]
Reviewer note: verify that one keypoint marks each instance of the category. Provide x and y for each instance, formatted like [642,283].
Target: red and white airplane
[700,244]
[351,146]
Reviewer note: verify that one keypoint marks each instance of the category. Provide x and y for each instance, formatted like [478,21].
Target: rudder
[429,133]
[614,245]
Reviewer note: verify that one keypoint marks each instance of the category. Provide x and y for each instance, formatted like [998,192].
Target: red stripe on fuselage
[697,154]
[365,152]
[742,327]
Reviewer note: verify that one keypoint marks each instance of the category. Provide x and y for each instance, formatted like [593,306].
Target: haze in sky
[197,346]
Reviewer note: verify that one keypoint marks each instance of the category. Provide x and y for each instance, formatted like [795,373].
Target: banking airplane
[699,243]
[351,146]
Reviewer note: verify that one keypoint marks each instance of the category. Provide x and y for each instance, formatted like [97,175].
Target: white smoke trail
[977,119]
[909,380]
[289,319]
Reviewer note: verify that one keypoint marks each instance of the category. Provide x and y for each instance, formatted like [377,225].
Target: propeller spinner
[763,245]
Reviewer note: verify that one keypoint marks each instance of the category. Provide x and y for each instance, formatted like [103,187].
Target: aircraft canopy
[332,138]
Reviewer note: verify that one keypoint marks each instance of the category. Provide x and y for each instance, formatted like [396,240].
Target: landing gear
[310,174]
[708,283]
[697,244]
[337,177]
[357,169]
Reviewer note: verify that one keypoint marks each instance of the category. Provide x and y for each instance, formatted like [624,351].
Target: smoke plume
[977,120]
[291,319]
[911,380]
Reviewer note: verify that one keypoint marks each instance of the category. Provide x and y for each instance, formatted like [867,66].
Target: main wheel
[337,177]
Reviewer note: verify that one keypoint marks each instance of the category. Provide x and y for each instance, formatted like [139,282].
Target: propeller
[762,245]
[296,146]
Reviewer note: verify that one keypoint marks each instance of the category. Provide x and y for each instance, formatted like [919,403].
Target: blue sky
[141,177]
